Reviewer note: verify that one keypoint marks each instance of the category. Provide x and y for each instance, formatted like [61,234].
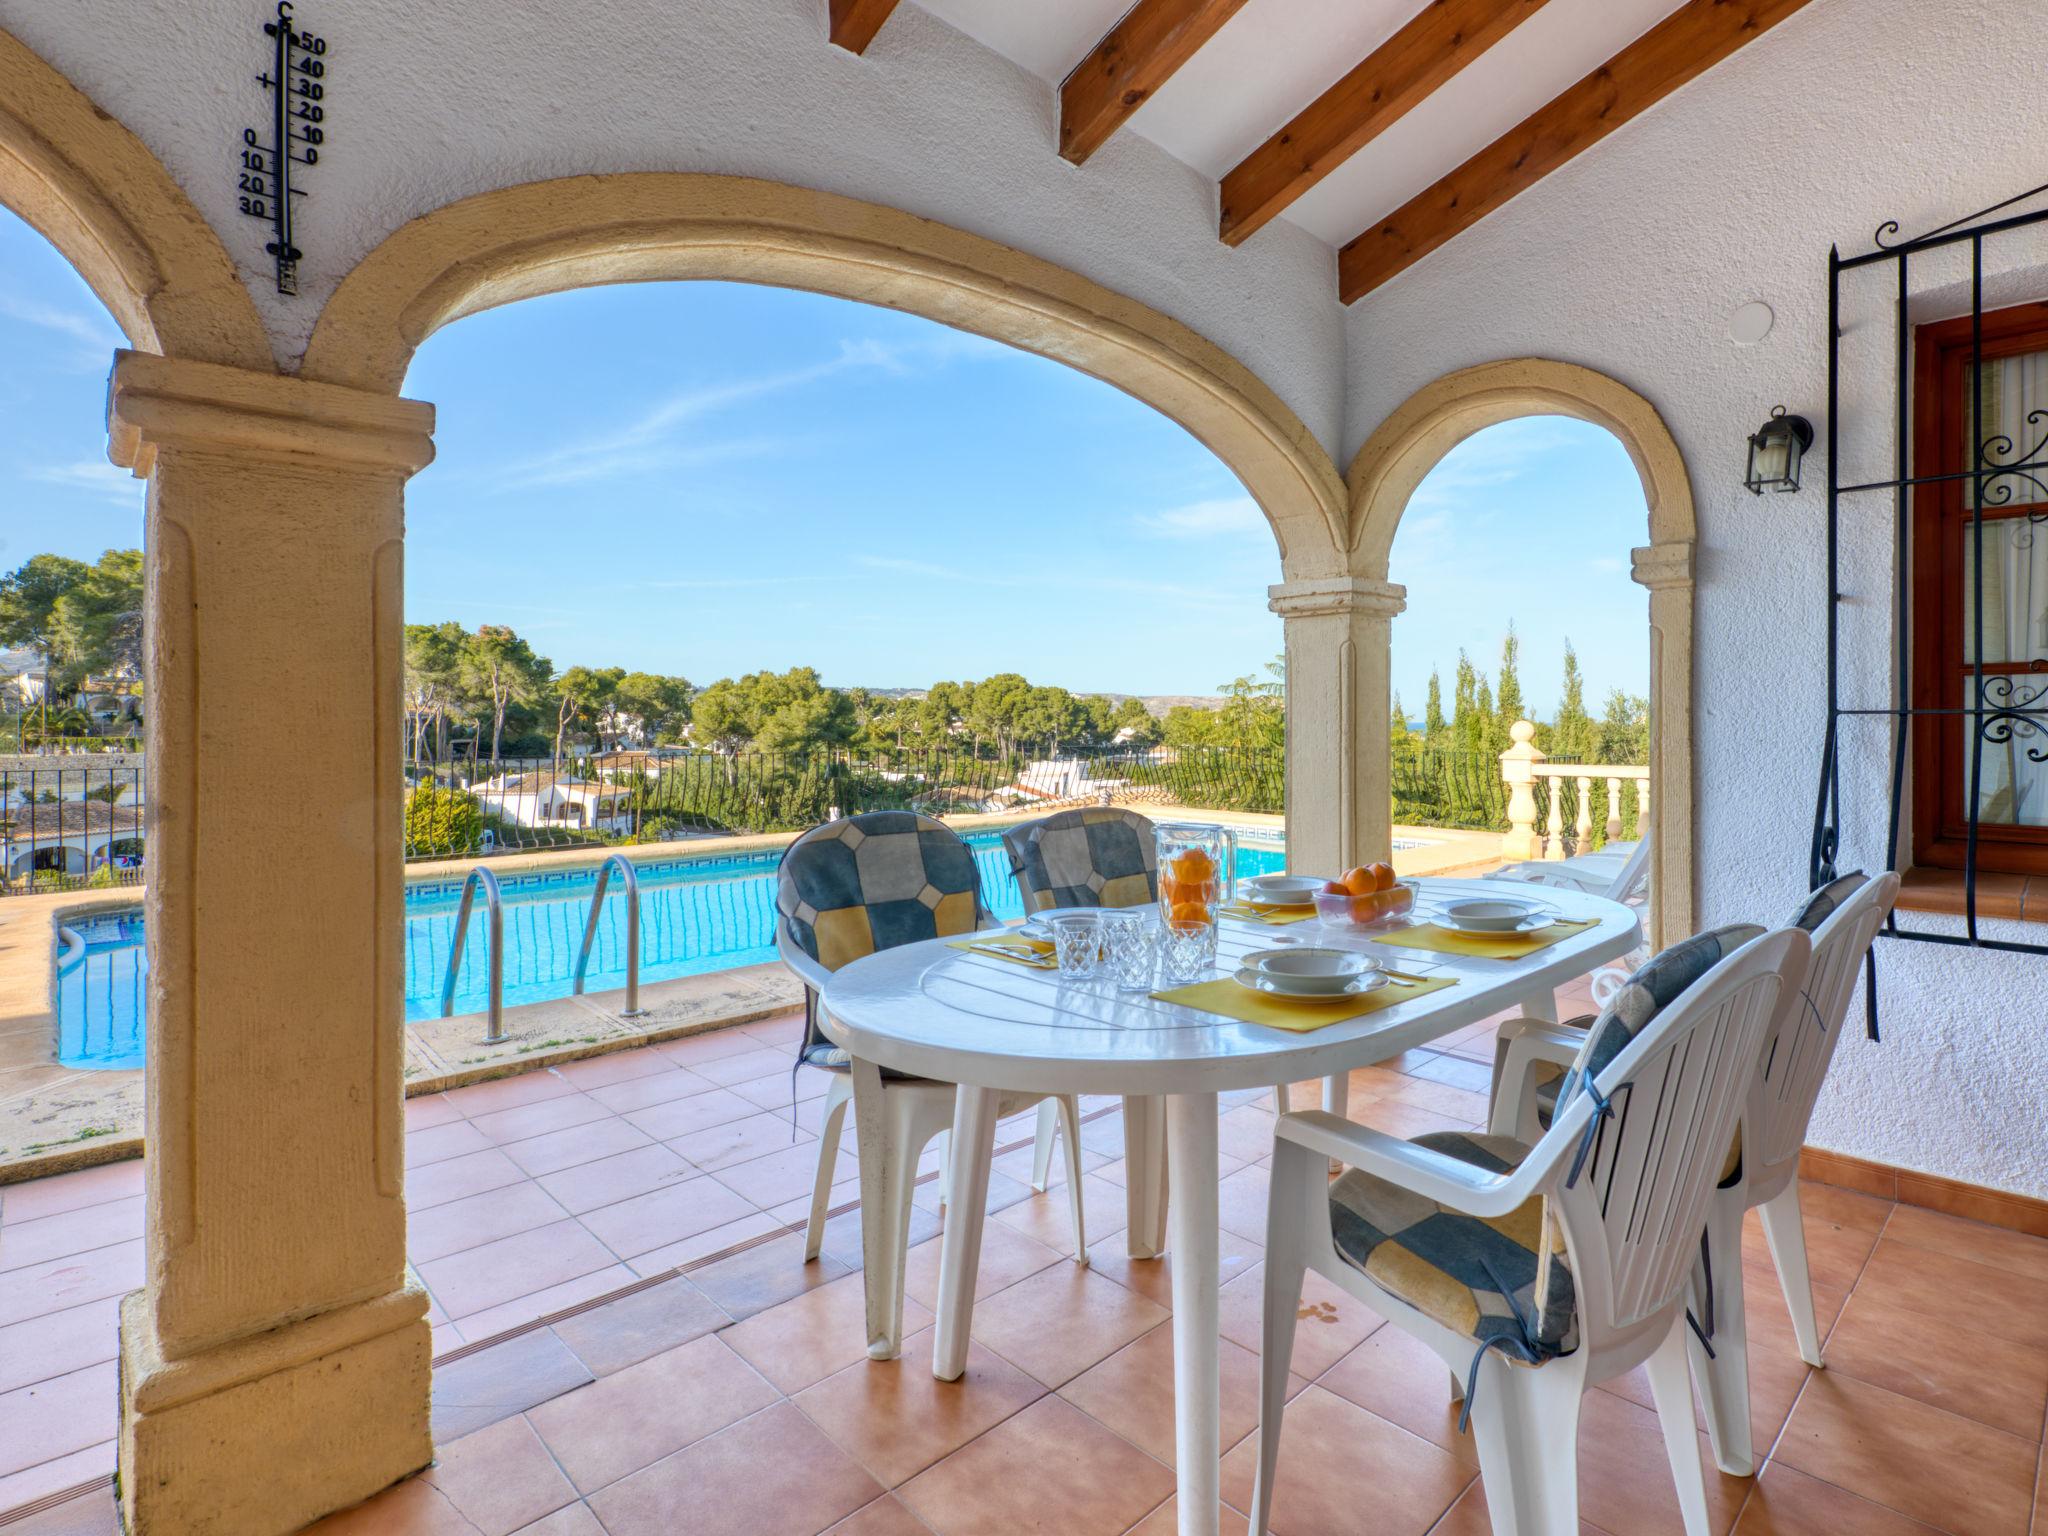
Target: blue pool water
[696,914]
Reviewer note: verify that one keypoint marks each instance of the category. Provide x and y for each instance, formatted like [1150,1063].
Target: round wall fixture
[1750,323]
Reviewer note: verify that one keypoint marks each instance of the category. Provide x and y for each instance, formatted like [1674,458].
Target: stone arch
[1439,416]
[581,231]
[97,193]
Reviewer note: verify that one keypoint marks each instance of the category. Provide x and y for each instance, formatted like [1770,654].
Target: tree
[773,712]
[1624,731]
[433,679]
[1433,730]
[1571,734]
[1254,713]
[500,668]
[1468,728]
[1508,702]
[581,694]
[1398,733]
[29,599]
[1134,725]
[99,621]
[657,706]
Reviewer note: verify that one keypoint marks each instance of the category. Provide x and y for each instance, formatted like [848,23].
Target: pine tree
[1433,713]
[1508,703]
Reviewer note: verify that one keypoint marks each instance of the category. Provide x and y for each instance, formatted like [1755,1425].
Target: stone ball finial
[1521,733]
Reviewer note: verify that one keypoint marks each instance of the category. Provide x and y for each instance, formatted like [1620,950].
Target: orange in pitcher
[1189,914]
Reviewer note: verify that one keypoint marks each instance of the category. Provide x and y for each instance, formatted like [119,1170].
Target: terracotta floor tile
[1083,1480]
[712,1045]
[667,1083]
[804,1340]
[503,1093]
[439,1142]
[457,1177]
[634,1417]
[1003,1192]
[1403,1381]
[2011,1305]
[1835,1251]
[614,1067]
[634,1328]
[1165,1520]
[75,1231]
[764,1276]
[1328,1323]
[70,1282]
[842,1239]
[59,1343]
[737,1141]
[496,1272]
[1452,1102]
[679,1117]
[774,1474]
[1153,1278]
[1846,1207]
[778,1090]
[1944,1361]
[556,1150]
[537,1119]
[58,1416]
[62,1192]
[1007,1256]
[1453,1070]
[884,1517]
[1132,1392]
[1973,1240]
[1060,1321]
[1625,1481]
[1018,1162]
[895,1418]
[1789,1503]
[745,1066]
[444,1229]
[48,1477]
[665,1215]
[1241,1202]
[1469,1517]
[1396,1118]
[783,1029]
[414,1507]
[570,1520]
[501,1478]
[496,1383]
[700,1245]
[608,1180]
[520,1310]
[1904,1455]
[1048,1219]
[1335,1459]
[429,1109]
[788,1173]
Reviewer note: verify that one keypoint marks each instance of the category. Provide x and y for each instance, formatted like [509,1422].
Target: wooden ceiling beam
[855,22]
[1428,50]
[1121,72]
[1686,44]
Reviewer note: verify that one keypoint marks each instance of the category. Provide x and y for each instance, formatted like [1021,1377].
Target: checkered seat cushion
[1098,857]
[871,882]
[1497,1280]
[1647,993]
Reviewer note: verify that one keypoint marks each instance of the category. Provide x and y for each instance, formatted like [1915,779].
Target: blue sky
[707,479]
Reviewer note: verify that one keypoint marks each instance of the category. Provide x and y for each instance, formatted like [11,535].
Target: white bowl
[1309,969]
[1283,890]
[1489,914]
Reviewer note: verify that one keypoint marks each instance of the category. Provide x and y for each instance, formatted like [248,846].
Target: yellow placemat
[1033,952]
[1484,946]
[1299,1013]
[1250,912]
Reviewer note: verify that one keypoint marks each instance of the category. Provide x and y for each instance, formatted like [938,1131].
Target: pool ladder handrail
[494,1031]
[632,878]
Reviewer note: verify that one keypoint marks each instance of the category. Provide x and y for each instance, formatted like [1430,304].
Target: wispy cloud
[1232,517]
[96,476]
[1039,581]
[659,439]
[95,334]
[735,583]
[1491,458]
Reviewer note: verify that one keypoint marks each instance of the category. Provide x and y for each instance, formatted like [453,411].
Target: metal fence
[462,808]
[69,824]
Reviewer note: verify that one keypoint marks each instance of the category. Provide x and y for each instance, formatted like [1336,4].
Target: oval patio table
[992,1026]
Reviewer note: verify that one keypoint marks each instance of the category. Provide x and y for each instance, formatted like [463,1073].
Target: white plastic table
[990,1025]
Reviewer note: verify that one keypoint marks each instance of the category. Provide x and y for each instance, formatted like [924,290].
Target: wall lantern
[1775,449]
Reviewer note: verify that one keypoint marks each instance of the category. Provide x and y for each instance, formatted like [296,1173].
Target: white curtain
[2013,789]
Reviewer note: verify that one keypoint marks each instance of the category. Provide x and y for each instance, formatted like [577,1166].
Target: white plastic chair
[1626,1194]
[1620,872]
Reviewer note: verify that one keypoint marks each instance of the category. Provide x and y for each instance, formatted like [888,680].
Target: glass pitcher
[1197,874]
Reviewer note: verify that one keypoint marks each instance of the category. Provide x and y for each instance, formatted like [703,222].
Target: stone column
[1666,569]
[274,1366]
[1339,798]
[1518,772]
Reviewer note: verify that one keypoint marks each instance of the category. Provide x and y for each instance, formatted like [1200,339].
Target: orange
[1359,881]
[1382,876]
[1191,913]
[1193,864]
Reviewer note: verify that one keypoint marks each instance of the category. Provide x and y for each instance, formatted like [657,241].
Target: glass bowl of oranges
[1366,897]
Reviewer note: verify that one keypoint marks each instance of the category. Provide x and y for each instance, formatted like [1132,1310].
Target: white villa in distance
[543,798]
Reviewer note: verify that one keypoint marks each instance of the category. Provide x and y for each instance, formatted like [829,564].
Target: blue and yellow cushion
[1098,857]
[1823,903]
[1502,1278]
[874,881]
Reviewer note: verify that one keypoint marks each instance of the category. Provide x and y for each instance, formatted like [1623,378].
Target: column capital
[1662,565]
[155,402]
[1326,596]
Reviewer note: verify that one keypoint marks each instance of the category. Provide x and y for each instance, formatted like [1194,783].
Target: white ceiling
[1276,56]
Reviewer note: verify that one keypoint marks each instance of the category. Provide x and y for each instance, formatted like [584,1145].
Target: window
[2004,431]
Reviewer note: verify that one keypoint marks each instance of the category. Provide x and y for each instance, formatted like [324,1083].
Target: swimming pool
[697,914]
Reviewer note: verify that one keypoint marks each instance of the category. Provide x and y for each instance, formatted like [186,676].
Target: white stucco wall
[434,102]
[1630,261]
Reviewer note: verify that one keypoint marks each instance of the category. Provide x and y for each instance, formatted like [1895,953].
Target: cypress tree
[1572,735]
[1508,703]
[1433,713]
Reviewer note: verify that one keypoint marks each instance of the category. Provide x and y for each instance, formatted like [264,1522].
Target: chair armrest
[1518,1046]
[1541,1040]
[1433,1175]
[805,969]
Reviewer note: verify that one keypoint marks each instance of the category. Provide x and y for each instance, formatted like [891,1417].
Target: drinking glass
[1128,946]
[1187,949]
[1077,943]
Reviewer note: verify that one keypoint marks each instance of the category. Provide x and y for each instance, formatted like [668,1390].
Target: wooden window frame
[1941,522]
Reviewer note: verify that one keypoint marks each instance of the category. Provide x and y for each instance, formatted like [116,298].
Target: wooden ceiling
[1418,74]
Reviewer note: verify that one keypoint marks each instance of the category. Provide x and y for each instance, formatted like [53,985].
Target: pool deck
[55,1118]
